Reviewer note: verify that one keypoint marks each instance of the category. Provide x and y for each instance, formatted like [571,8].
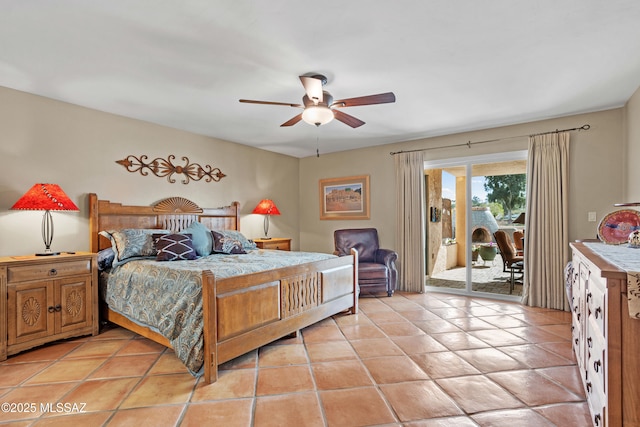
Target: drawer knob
[596,365]
[51,309]
[598,310]
[53,272]
[589,342]
[589,296]
[589,387]
[596,419]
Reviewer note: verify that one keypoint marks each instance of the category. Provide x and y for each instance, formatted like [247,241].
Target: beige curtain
[546,230]
[410,214]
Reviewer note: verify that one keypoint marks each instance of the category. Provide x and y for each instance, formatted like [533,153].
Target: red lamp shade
[45,197]
[266,207]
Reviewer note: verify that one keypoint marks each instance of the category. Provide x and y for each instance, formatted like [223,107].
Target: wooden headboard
[174,213]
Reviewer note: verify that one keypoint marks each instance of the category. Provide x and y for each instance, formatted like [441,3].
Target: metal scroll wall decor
[161,168]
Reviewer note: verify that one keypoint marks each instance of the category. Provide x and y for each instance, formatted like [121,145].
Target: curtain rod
[469,143]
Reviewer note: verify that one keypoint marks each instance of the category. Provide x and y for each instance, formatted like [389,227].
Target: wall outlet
[592,217]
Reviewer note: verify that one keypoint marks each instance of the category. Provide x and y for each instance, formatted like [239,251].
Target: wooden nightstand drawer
[277,243]
[49,270]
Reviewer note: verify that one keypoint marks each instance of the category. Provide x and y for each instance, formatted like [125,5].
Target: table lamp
[267,208]
[47,198]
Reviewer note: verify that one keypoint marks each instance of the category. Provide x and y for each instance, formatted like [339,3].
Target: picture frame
[344,198]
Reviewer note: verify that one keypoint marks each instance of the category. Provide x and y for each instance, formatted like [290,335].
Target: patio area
[486,277]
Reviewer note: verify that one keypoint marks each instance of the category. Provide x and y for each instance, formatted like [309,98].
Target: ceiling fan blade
[347,119]
[381,98]
[292,121]
[313,87]
[250,101]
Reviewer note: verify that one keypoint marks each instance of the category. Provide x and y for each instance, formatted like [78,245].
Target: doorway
[467,201]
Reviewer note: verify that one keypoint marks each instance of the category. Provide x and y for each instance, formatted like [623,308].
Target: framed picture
[345,198]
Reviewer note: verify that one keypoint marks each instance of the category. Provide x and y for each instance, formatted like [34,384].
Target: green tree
[508,190]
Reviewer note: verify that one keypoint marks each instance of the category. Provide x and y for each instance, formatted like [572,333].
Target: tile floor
[414,360]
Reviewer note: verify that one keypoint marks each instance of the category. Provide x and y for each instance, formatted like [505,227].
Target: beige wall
[631,156]
[43,140]
[596,175]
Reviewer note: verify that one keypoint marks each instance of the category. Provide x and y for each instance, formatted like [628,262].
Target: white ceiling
[453,65]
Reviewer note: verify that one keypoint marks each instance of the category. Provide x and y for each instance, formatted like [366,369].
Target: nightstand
[280,243]
[46,298]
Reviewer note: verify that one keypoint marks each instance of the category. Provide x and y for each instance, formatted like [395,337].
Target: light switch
[592,217]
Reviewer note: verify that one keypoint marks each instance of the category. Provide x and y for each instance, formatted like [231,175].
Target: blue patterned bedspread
[167,296]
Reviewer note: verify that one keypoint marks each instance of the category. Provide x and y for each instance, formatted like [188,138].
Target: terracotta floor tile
[44,353]
[394,369]
[101,395]
[436,326]
[419,315]
[247,360]
[111,332]
[33,394]
[567,376]
[532,388]
[232,384]
[534,334]
[449,313]
[153,416]
[514,417]
[287,379]
[380,317]
[97,348]
[125,366]
[444,364]
[332,350]
[376,348]
[418,344]
[298,409]
[472,324]
[12,375]
[340,374]
[360,332]
[322,333]
[355,407]
[352,319]
[490,360]
[401,329]
[477,393]
[497,338]
[142,346]
[66,370]
[369,304]
[567,414]
[281,355]
[228,413]
[166,363]
[562,331]
[479,311]
[534,356]
[459,341]
[419,400]
[562,349]
[82,419]
[504,321]
[160,390]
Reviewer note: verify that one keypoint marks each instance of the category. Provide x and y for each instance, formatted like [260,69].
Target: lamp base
[47,253]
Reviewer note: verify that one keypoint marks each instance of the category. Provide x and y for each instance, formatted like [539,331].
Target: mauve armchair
[376,267]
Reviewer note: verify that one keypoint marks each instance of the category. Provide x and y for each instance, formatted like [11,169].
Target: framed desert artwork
[345,198]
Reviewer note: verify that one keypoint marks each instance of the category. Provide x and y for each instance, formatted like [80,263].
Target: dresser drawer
[50,270]
[597,304]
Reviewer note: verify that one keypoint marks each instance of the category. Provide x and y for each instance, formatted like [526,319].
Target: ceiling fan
[319,106]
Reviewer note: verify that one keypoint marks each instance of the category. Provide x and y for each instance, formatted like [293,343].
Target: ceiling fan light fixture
[317,115]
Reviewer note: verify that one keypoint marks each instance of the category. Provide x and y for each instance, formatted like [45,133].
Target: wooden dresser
[279,243]
[606,340]
[46,298]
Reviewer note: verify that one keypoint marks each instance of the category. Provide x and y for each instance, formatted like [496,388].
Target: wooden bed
[244,312]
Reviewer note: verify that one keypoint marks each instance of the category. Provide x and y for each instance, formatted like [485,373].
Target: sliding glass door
[468,201]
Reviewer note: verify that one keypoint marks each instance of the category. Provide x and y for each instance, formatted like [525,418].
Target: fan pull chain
[317,145]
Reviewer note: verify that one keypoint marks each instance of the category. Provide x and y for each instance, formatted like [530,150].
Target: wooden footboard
[246,312]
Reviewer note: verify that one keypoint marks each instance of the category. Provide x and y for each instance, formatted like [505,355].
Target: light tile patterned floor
[414,360]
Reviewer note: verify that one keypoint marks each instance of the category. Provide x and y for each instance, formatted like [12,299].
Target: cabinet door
[30,311]
[75,303]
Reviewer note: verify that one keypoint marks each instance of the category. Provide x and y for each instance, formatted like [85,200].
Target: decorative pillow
[247,244]
[174,247]
[225,244]
[105,259]
[201,237]
[132,243]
